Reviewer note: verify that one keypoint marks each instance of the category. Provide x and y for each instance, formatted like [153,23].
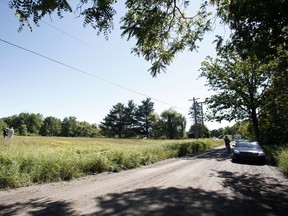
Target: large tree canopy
[258,27]
[239,85]
[274,115]
[245,85]
[161,28]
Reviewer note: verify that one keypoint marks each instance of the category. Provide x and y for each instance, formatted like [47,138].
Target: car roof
[247,142]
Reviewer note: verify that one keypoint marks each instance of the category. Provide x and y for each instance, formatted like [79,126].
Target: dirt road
[207,184]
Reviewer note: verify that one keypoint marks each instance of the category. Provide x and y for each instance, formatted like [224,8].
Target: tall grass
[28,160]
[278,156]
[282,160]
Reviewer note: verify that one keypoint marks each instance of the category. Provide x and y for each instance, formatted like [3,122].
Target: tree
[240,86]
[158,128]
[30,121]
[258,27]
[196,113]
[114,123]
[198,130]
[11,121]
[3,125]
[51,127]
[215,133]
[33,122]
[259,31]
[161,28]
[273,118]
[145,117]
[69,127]
[95,131]
[130,119]
[22,121]
[245,128]
[23,131]
[84,129]
[173,124]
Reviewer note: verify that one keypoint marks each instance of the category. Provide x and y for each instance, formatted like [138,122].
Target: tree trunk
[255,125]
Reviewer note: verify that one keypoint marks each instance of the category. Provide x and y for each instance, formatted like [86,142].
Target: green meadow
[29,160]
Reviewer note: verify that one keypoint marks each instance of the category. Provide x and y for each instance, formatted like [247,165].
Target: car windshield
[243,144]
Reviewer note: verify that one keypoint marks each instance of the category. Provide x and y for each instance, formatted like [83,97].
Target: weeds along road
[207,184]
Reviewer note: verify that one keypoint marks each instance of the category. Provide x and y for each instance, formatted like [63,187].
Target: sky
[94,74]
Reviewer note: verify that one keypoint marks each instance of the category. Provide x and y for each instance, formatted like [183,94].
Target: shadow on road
[253,196]
[37,208]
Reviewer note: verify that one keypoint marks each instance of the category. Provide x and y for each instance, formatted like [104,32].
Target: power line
[86,73]
[89,45]
[68,35]
[71,67]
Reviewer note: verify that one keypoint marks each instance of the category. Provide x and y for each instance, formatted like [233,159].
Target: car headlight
[261,153]
[236,152]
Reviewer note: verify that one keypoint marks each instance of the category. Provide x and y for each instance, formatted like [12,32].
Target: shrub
[283,160]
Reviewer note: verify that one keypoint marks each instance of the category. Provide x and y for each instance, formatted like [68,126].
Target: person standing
[11,133]
[5,133]
[227,144]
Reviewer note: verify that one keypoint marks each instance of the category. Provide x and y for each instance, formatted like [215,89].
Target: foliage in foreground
[283,160]
[278,155]
[28,160]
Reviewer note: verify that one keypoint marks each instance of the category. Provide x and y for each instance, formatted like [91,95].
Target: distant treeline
[26,124]
[122,121]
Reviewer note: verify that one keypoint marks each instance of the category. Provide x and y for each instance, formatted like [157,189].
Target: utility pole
[195,107]
[195,110]
[202,114]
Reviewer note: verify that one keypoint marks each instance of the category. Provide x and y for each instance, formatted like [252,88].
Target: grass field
[28,160]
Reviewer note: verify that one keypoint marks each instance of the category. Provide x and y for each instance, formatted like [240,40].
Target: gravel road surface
[205,184]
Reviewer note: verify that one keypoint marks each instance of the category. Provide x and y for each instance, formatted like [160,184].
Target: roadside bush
[9,175]
[271,152]
[95,164]
[277,156]
[283,160]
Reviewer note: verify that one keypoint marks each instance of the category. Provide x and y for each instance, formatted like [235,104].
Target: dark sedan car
[248,151]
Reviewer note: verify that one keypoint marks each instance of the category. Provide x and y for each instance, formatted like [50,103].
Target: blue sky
[30,83]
